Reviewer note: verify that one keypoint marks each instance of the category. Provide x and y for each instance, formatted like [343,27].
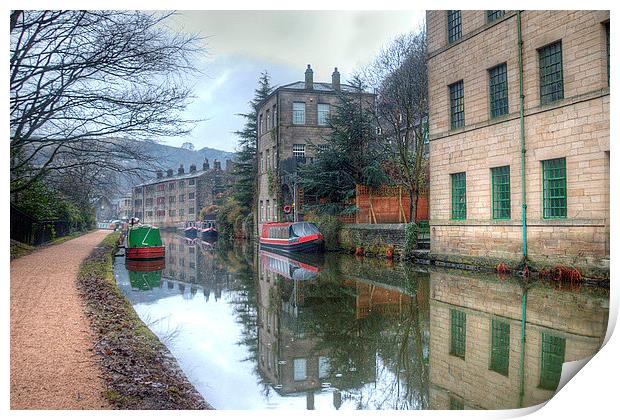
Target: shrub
[330,228]
[411,239]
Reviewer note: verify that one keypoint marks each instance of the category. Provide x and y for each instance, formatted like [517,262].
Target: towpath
[52,362]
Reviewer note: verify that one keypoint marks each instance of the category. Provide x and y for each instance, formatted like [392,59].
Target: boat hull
[208,234]
[145,253]
[191,232]
[314,246]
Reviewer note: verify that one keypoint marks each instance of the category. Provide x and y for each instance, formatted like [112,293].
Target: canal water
[255,330]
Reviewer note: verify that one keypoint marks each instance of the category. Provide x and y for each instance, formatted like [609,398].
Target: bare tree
[399,76]
[86,84]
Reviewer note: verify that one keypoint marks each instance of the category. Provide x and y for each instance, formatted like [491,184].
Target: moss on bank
[138,370]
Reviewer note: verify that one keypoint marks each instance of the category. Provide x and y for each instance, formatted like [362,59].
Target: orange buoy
[359,251]
[390,252]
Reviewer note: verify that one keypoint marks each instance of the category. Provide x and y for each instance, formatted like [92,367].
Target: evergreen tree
[351,156]
[245,162]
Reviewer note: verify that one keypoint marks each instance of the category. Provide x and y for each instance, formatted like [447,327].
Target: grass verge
[139,371]
[19,249]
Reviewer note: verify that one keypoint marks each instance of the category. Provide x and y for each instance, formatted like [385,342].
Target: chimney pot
[181,170]
[192,168]
[336,79]
[309,78]
[160,174]
[217,165]
[169,172]
[205,165]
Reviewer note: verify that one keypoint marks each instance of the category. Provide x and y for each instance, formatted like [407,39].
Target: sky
[242,44]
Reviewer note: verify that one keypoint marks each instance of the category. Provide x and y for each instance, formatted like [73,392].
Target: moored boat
[190,232]
[143,243]
[292,266]
[208,232]
[303,237]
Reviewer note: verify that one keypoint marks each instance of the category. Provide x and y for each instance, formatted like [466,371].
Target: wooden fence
[387,204]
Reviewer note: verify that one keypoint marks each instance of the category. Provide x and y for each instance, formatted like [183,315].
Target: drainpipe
[522,359]
[522,123]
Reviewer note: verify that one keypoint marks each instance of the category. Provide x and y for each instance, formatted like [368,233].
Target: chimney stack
[217,165]
[160,174]
[336,79]
[181,170]
[192,168]
[205,165]
[309,78]
[228,165]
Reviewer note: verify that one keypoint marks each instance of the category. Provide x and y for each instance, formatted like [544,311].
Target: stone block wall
[374,238]
[575,128]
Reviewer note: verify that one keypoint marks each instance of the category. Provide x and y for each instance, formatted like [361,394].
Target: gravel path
[52,362]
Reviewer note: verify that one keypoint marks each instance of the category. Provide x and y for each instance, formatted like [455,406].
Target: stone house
[172,199]
[495,154]
[292,126]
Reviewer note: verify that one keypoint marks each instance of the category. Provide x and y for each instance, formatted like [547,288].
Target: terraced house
[292,126]
[519,137]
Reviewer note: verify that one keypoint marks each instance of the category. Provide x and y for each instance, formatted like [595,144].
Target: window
[456,403]
[161,187]
[323,113]
[457,105]
[552,357]
[190,211]
[299,369]
[181,212]
[500,346]
[138,203]
[607,39]
[323,148]
[498,90]
[299,150]
[150,189]
[459,198]
[260,162]
[171,186]
[149,213]
[273,116]
[161,201]
[268,118]
[501,192]
[161,213]
[260,214]
[267,212]
[457,333]
[172,213]
[181,184]
[454,25]
[192,182]
[324,367]
[299,112]
[172,199]
[191,195]
[554,188]
[181,198]
[551,78]
[494,15]
[260,123]
[267,160]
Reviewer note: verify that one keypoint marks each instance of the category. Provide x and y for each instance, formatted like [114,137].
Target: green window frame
[500,180]
[457,105]
[459,196]
[554,188]
[494,15]
[458,334]
[454,25]
[498,90]
[456,403]
[607,39]
[551,74]
[552,357]
[500,347]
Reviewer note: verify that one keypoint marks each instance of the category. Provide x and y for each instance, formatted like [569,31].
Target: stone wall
[375,239]
[575,128]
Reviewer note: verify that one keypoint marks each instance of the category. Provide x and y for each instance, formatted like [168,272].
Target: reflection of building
[172,199]
[476,330]
[476,132]
[292,124]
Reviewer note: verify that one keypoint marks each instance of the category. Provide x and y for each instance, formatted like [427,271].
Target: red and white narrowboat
[303,237]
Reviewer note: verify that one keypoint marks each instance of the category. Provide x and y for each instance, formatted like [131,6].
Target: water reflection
[261,330]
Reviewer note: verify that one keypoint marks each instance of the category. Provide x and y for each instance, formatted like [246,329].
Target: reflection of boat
[190,232]
[145,266]
[145,274]
[291,266]
[144,242]
[292,237]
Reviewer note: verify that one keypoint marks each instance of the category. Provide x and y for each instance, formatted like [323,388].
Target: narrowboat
[144,243]
[293,267]
[145,274]
[303,237]
[208,232]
